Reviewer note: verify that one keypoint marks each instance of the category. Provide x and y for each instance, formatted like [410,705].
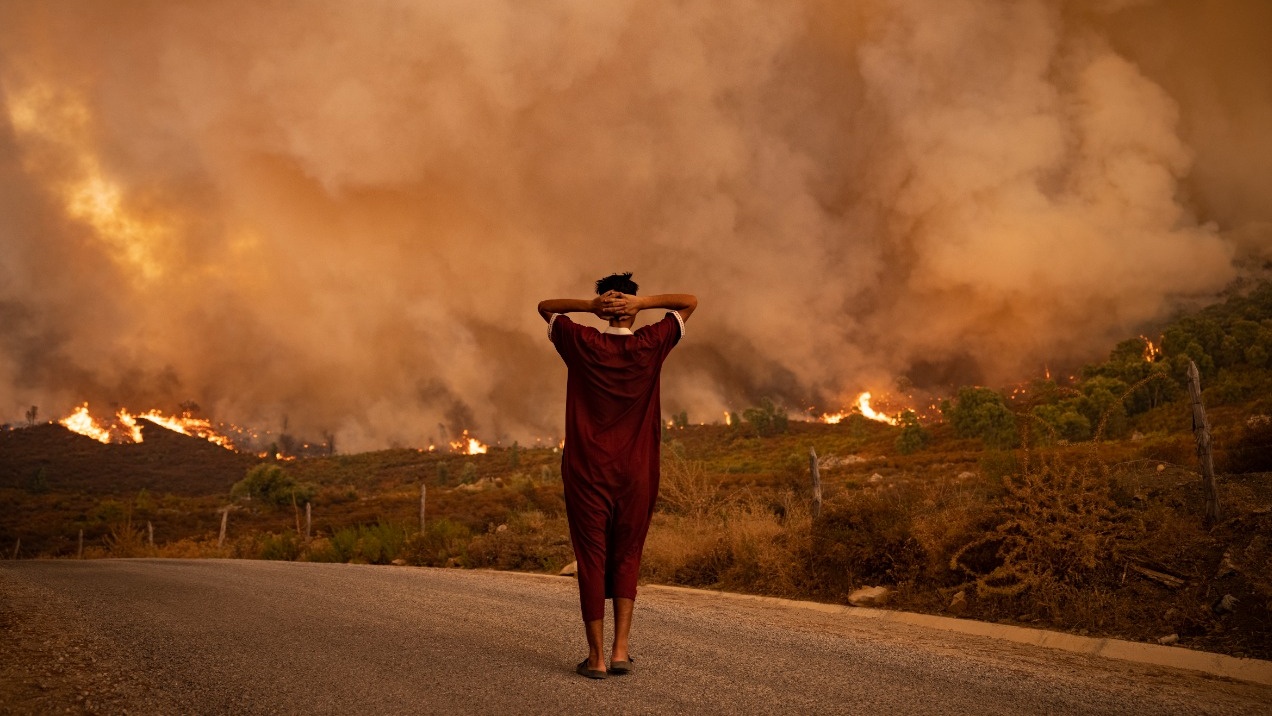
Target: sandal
[583,670]
[623,667]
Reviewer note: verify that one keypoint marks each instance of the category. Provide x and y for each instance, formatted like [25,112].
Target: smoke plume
[344,213]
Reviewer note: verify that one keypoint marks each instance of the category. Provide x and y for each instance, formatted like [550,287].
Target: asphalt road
[222,637]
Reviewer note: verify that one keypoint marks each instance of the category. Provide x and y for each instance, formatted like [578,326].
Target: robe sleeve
[565,336]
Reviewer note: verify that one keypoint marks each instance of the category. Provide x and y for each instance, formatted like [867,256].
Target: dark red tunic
[612,438]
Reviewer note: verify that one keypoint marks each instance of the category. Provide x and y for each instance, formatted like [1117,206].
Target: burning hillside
[124,428]
[53,456]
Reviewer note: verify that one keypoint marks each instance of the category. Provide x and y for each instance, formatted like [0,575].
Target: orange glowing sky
[345,214]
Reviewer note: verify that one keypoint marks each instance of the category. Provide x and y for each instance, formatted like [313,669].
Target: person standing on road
[610,464]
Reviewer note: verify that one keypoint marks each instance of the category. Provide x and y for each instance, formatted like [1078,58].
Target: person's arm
[627,305]
[573,305]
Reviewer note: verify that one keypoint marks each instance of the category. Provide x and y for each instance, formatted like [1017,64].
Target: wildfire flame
[468,445]
[124,429]
[1152,351]
[863,407]
[195,427]
[81,422]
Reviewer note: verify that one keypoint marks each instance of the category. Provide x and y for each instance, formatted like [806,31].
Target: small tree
[270,484]
[39,483]
[982,413]
[766,418]
[914,437]
[469,474]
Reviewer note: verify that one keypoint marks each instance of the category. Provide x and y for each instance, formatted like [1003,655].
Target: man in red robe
[613,426]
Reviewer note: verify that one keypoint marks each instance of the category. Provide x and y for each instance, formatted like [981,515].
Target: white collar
[618,331]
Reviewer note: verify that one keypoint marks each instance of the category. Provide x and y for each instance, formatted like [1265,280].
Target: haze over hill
[345,215]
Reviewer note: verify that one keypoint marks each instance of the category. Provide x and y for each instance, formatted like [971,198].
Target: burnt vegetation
[1070,505]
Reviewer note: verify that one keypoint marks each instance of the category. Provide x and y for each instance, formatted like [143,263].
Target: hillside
[165,462]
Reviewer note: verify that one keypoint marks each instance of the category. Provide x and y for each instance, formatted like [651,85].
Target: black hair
[621,282]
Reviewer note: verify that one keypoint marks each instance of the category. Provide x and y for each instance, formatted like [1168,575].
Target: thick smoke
[345,213]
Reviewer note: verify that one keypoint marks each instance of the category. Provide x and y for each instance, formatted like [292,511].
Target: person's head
[621,282]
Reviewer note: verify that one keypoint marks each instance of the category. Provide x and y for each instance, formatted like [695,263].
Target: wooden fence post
[308,520]
[423,496]
[1201,431]
[812,468]
[296,511]
[80,553]
[225,518]
[150,533]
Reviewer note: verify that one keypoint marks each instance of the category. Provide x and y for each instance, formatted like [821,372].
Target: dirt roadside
[53,664]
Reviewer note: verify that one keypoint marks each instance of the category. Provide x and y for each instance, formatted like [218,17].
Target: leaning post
[423,496]
[812,468]
[1201,432]
[225,518]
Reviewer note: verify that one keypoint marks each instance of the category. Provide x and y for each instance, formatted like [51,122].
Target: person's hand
[621,304]
[602,305]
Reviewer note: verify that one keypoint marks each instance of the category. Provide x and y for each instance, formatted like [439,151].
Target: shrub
[468,475]
[125,540]
[1251,451]
[861,540]
[443,539]
[766,418]
[1056,527]
[286,546]
[914,437]
[380,543]
[685,489]
[270,484]
[528,541]
[982,413]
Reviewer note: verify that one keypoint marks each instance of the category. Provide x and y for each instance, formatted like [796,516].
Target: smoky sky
[345,213]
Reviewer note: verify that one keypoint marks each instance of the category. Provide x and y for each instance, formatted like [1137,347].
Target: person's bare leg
[622,628]
[595,648]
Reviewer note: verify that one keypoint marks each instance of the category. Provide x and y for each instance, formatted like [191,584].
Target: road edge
[1257,671]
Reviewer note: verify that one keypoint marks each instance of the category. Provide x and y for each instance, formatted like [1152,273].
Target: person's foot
[618,667]
[585,669]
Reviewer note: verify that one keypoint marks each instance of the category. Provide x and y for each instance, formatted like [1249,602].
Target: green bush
[286,546]
[914,437]
[270,484]
[982,413]
[766,418]
[443,539]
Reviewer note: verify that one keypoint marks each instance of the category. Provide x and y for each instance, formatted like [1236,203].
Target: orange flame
[194,427]
[468,445]
[1151,351]
[863,404]
[81,422]
[124,429]
[863,407]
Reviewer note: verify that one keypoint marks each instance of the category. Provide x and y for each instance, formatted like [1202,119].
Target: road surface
[255,637]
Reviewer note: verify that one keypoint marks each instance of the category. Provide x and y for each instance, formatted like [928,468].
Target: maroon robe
[613,426]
